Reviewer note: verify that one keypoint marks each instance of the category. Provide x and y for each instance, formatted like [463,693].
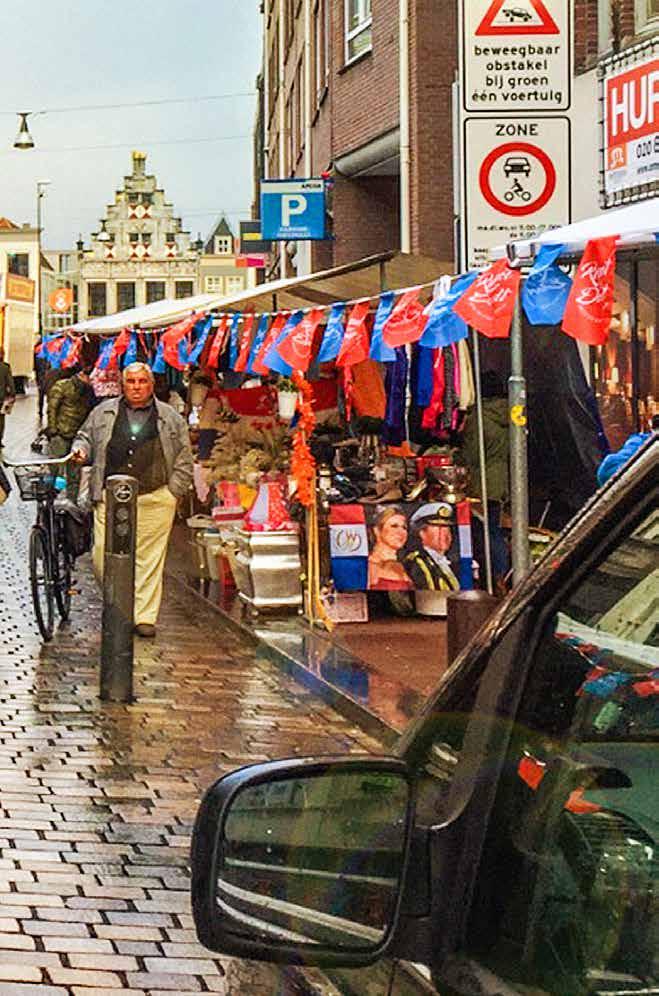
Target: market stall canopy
[364,278]
[154,315]
[636,224]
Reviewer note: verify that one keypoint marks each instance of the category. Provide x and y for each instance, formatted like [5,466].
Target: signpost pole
[118,589]
[519,480]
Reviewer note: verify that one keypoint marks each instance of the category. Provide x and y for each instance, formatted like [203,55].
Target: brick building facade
[329,101]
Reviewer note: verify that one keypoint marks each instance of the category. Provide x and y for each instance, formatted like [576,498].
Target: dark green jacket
[7,389]
[69,404]
[495,425]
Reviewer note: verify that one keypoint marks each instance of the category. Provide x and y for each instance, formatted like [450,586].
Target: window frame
[97,284]
[645,19]
[365,13]
[120,285]
[154,283]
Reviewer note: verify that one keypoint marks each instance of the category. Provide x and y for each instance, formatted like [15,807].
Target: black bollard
[118,589]
[466,613]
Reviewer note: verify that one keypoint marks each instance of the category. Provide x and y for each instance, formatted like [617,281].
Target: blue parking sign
[293,209]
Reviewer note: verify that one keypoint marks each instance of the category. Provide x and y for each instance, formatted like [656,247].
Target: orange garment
[368,397]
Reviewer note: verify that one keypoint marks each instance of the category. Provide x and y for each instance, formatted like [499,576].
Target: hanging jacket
[495,426]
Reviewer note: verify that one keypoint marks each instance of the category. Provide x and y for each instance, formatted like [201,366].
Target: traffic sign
[293,209]
[516,180]
[516,55]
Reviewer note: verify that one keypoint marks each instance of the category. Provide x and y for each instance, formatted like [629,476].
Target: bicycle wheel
[40,582]
[62,573]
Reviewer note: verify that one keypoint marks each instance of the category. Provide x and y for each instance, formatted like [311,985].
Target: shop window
[213,284]
[648,351]
[155,291]
[98,300]
[183,288]
[19,264]
[125,295]
[359,24]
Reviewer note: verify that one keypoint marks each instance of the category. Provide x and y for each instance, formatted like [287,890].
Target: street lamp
[103,235]
[23,139]
[41,190]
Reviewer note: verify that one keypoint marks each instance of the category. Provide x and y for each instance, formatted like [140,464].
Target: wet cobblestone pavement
[97,801]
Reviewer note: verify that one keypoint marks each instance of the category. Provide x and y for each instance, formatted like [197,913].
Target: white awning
[636,224]
[148,315]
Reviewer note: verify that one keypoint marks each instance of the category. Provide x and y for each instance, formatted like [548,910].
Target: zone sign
[516,55]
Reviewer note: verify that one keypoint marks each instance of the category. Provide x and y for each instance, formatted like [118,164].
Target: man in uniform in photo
[428,564]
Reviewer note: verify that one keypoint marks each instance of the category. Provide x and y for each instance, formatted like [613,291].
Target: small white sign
[516,181]
[516,55]
[348,541]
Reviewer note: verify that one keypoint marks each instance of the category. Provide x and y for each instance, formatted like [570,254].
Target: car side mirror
[303,860]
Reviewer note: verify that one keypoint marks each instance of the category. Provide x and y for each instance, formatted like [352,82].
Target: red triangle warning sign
[518,17]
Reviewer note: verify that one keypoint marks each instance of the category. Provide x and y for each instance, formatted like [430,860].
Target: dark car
[511,844]
[517,14]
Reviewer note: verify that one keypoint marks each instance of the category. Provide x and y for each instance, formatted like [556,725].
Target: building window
[647,12]
[18,263]
[359,22]
[320,64]
[183,288]
[65,262]
[273,70]
[290,127]
[223,245]
[133,198]
[98,300]
[298,113]
[134,237]
[235,285]
[171,236]
[125,295]
[213,285]
[155,291]
[146,238]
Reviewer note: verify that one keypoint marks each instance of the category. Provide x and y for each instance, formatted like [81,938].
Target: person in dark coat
[7,389]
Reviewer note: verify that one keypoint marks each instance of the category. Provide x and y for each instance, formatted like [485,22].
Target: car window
[567,896]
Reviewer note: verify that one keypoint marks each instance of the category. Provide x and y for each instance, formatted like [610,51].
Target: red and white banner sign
[631,125]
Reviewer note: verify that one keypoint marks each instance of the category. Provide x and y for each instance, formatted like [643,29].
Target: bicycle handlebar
[48,462]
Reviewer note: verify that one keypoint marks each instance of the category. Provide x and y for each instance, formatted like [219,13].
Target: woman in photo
[385,571]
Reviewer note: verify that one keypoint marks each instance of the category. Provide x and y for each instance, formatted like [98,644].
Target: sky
[75,53]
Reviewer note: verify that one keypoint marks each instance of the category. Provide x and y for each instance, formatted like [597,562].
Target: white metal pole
[404,101]
[482,460]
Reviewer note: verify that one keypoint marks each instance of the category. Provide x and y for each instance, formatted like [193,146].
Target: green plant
[286,386]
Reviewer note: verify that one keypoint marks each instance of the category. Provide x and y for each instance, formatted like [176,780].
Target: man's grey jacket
[95,434]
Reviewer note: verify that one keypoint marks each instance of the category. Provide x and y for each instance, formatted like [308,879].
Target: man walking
[145,438]
[69,403]
[7,390]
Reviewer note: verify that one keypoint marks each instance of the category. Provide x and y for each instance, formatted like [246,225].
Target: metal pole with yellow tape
[519,470]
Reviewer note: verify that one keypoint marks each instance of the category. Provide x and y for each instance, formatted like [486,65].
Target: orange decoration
[303,465]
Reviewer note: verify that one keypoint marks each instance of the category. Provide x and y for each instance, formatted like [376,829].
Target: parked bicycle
[51,557]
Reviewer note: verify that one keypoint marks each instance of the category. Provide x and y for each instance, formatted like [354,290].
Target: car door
[566,895]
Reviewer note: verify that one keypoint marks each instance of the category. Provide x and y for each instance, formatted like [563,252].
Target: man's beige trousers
[155,517]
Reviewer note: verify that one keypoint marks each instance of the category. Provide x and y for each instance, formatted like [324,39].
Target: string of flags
[283,342]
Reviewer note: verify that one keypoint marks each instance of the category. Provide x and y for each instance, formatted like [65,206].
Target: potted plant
[286,398]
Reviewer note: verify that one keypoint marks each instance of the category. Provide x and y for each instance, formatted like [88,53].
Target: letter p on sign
[291,206]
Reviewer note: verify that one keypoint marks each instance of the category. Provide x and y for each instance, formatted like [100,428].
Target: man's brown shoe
[145,630]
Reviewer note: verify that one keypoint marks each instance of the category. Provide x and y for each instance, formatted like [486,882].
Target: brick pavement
[97,800]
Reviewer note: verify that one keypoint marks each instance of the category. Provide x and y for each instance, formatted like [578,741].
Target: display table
[267,569]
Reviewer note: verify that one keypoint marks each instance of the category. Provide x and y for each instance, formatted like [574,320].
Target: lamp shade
[23,139]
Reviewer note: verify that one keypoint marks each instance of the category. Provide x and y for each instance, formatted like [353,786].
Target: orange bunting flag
[296,347]
[406,322]
[590,304]
[488,304]
[245,343]
[356,342]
